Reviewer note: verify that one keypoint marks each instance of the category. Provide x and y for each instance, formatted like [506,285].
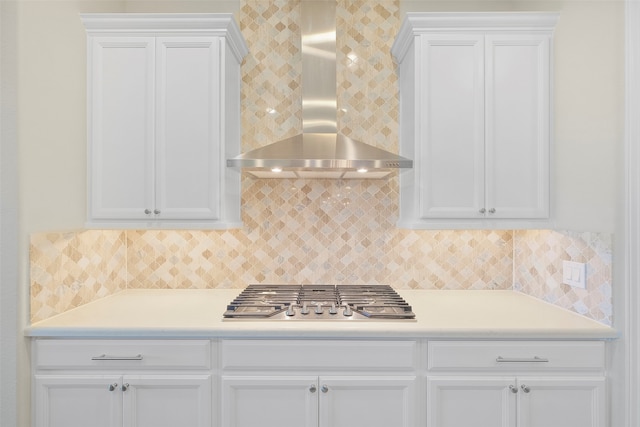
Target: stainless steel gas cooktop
[319,302]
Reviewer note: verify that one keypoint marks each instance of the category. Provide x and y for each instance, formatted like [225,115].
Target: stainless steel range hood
[320,151]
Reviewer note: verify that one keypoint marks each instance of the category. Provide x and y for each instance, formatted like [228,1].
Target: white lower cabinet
[265,400]
[77,401]
[464,401]
[113,383]
[325,401]
[506,384]
[318,383]
[560,402]
[511,401]
[374,401]
[128,400]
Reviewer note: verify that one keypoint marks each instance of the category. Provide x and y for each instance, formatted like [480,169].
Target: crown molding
[416,23]
[168,24]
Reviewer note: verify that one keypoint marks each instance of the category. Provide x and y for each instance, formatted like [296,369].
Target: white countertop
[198,314]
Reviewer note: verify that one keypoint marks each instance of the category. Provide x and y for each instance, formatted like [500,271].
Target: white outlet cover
[574,274]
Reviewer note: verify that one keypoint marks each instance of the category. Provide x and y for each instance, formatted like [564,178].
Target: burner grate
[319,302]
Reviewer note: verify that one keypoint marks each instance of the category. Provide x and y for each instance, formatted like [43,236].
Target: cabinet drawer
[318,354]
[122,354]
[525,355]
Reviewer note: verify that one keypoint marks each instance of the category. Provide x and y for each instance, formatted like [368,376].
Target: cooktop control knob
[290,311]
[333,309]
[347,311]
[304,309]
[319,309]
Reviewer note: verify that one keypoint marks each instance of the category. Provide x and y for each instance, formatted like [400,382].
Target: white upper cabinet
[163,116]
[475,116]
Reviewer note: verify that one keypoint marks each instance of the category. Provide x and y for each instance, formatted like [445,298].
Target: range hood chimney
[320,151]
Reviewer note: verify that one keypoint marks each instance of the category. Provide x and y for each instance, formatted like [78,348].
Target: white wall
[52,138]
[8,217]
[589,123]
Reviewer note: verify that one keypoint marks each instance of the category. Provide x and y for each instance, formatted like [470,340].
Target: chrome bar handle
[106,357]
[534,359]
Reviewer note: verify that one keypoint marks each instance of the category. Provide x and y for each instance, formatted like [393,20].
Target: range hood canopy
[320,151]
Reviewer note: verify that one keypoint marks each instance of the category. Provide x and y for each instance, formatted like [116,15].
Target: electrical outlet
[574,274]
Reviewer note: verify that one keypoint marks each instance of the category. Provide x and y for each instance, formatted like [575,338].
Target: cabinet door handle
[156,211]
[312,388]
[147,211]
[106,357]
[513,389]
[125,386]
[492,210]
[483,210]
[113,386]
[525,388]
[324,388]
[534,359]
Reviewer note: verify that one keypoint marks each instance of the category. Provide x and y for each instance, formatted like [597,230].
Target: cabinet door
[167,400]
[188,128]
[517,126]
[471,401]
[121,126]
[449,157]
[367,401]
[251,401]
[78,401]
[561,402]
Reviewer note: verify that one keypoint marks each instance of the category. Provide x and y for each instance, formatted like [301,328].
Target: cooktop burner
[319,302]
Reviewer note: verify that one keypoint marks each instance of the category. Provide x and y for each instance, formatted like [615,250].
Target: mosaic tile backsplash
[538,257]
[317,231]
[71,269]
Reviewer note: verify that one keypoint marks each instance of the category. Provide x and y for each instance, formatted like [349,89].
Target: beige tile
[538,260]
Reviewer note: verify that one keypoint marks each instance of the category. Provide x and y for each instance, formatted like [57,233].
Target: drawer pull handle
[106,357]
[534,359]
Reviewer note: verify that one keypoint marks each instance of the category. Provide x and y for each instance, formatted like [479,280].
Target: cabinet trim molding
[210,24]
[423,23]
